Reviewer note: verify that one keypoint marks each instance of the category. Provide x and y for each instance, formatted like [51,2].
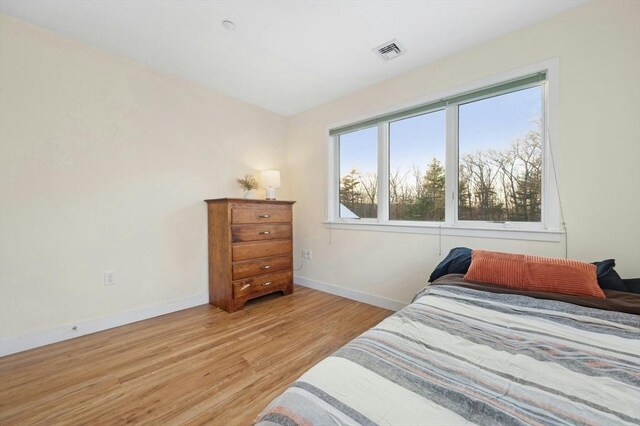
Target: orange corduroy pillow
[534,273]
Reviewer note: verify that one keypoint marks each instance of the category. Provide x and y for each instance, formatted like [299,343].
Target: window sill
[505,233]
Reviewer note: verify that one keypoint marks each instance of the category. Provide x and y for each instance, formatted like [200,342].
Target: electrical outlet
[306,254]
[109,278]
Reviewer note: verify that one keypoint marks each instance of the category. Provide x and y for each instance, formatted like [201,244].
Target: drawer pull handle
[264,232]
[265,267]
[244,287]
[267,283]
[264,216]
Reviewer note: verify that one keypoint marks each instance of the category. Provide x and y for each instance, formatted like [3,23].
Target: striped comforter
[462,356]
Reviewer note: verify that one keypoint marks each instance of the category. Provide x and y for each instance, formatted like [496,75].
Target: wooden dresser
[250,250]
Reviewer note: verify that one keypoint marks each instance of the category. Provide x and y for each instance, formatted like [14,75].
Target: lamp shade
[270,178]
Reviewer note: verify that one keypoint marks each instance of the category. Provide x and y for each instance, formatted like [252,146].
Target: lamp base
[271,194]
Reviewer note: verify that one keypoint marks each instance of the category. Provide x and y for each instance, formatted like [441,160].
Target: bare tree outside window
[498,179]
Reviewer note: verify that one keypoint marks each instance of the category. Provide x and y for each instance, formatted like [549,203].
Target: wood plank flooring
[201,365]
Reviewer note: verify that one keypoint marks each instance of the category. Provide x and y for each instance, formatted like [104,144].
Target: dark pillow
[608,278]
[456,262]
[632,285]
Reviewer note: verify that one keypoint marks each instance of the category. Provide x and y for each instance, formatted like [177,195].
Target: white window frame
[548,229]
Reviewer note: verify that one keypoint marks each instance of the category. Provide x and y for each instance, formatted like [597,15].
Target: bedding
[608,278]
[465,353]
[458,260]
[526,272]
[621,301]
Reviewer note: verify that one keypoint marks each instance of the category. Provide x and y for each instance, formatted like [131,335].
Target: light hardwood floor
[200,365]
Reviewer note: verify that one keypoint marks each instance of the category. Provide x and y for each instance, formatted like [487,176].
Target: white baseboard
[13,345]
[359,296]
[22,343]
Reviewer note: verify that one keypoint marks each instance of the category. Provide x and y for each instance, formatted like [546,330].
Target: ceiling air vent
[389,50]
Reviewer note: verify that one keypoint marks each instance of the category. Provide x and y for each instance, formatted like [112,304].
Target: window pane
[358,174]
[500,157]
[416,167]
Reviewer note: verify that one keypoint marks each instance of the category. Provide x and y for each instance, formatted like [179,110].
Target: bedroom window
[500,157]
[472,162]
[359,173]
[416,167]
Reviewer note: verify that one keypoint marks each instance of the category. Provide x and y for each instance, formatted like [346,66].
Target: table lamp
[271,181]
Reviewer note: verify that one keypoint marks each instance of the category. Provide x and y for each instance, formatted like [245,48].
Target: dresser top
[247,200]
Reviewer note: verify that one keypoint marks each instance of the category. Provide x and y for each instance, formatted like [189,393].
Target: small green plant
[248,182]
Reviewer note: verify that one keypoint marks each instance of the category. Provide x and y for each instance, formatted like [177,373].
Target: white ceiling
[284,55]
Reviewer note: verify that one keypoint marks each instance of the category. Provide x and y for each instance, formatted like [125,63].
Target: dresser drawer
[260,214]
[261,284]
[240,233]
[246,251]
[259,267]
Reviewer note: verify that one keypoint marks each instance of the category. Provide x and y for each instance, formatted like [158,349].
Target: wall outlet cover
[109,278]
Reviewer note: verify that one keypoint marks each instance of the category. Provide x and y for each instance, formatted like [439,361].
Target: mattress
[459,355]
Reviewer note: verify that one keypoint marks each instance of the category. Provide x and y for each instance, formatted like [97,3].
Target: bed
[471,353]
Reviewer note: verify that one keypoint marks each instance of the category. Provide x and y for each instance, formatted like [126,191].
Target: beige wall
[598,46]
[104,166]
